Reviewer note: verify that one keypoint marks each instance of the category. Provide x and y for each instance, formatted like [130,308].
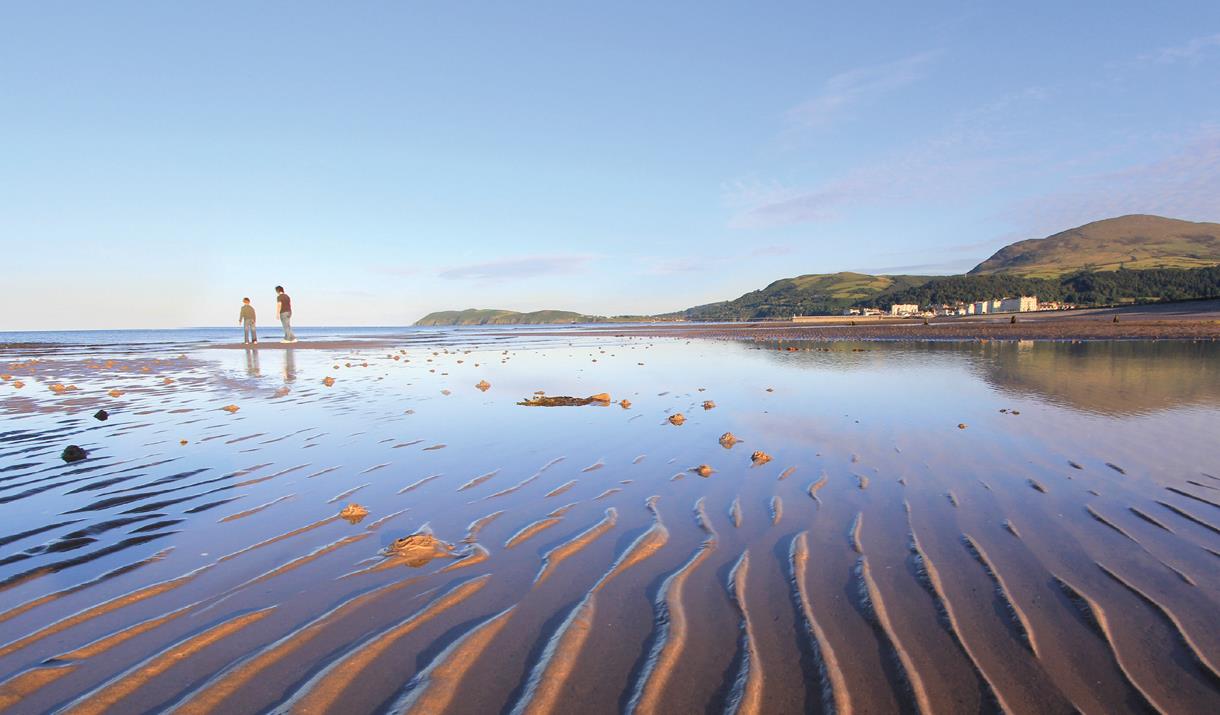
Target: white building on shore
[903,309]
[1024,304]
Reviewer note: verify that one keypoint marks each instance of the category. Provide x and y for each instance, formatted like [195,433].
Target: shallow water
[1060,554]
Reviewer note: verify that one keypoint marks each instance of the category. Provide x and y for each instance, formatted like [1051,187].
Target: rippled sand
[941,528]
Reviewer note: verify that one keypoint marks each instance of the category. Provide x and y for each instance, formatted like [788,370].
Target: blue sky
[382,160]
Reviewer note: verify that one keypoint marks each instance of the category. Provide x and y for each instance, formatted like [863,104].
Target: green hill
[1133,242]
[811,294]
[473,316]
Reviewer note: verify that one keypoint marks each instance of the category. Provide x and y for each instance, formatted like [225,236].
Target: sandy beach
[363,526]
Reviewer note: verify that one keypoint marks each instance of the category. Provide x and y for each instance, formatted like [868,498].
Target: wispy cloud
[519,267]
[1192,52]
[860,86]
[1184,183]
[954,266]
[965,157]
[775,249]
[710,261]
[399,271]
[940,167]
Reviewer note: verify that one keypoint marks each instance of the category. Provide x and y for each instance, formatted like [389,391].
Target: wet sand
[405,537]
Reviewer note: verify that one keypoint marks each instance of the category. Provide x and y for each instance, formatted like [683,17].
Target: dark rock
[73,453]
[101,415]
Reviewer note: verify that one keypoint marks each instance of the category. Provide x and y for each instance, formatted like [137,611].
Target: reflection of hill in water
[1114,378]
[1107,377]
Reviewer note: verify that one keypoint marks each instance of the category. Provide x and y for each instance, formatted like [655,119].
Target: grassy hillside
[812,294]
[473,316]
[1134,242]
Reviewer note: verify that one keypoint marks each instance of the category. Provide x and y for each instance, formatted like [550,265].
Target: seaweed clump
[565,401]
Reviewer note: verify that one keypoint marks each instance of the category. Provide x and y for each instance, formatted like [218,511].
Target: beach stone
[625,404]
[760,457]
[961,425]
[677,418]
[353,513]
[418,549]
[73,453]
[482,385]
[115,393]
[708,405]
[728,439]
[230,408]
[101,415]
[328,381]
[703,470]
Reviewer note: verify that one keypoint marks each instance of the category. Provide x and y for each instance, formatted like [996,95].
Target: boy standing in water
[283,306]
[249,334]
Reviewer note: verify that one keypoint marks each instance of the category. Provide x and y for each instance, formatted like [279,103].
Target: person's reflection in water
[252,363]
[290,365]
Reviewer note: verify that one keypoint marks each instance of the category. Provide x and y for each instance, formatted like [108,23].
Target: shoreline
[1187,320]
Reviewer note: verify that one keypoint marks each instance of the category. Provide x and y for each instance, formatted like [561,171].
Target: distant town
[1022,304]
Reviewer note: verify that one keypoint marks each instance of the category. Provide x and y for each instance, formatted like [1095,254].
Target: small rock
[230,408]
[328,381]
[182,442]
[760,457]
[625,404]
[115,393]
[677,418]
[419,549]
[483,385]
[73,453]
[600,397]
[961,425]
[703,470]
[101,415]
[728,439]
[18,384]
[353,513]
[708,404]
